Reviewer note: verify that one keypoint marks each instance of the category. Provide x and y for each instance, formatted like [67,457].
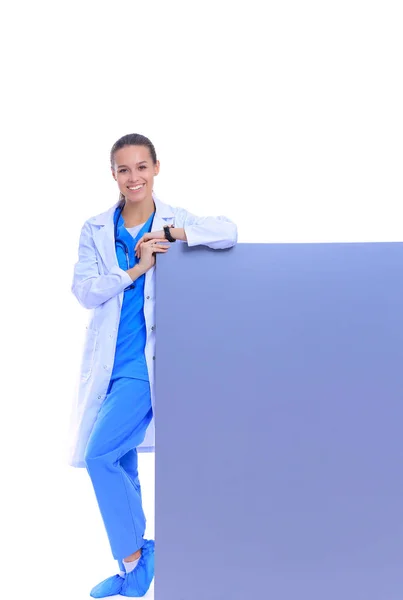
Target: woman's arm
[214,232]
[178,233]
[90,287]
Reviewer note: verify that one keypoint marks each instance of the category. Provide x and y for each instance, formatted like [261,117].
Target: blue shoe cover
[138,581]
[108,587]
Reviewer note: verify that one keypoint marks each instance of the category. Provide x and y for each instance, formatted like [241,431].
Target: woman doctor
[113,416]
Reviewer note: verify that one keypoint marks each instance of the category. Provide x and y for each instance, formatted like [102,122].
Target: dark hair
[133,139]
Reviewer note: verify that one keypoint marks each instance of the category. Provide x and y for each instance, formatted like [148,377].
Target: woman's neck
[136,213]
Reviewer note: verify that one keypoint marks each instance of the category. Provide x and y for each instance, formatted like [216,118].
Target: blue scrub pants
[111,461]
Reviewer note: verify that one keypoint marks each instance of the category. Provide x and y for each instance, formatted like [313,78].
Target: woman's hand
[153,235]
[148,250]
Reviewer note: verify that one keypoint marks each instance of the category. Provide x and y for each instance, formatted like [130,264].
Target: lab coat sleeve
[214,232]
[89,286]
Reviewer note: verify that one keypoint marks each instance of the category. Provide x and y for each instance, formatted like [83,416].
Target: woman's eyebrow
[139,163]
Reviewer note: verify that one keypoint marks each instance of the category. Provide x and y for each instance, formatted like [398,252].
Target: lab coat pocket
[88,354]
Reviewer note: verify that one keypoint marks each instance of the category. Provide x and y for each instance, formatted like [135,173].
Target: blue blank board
[279,413]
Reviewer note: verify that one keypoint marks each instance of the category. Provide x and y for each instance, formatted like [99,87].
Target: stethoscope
[119,242]
[122,244]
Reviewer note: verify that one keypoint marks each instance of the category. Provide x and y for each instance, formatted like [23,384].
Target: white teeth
[137,187]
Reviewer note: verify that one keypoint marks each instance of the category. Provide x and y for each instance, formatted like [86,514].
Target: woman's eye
[143,167]
[122,170]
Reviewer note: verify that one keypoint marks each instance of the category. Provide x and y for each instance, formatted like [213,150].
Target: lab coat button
[148,297]
[153,357]
[152,328]
[99,397]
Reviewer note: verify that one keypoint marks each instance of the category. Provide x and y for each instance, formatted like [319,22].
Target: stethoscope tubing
[122,244]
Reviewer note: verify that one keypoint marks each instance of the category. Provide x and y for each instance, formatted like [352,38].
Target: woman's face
[134,172]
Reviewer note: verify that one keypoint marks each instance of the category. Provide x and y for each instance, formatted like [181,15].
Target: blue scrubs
[111,460]
[111,455]
[129,356]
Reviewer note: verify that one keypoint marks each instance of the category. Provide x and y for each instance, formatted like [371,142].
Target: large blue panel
[279,453]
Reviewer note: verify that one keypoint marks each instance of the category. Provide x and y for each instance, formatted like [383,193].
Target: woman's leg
[129,463]
[120,427]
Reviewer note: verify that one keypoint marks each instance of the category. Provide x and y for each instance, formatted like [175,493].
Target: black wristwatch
[168,235]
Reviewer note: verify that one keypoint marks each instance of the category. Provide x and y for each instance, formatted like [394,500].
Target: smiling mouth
[135,188]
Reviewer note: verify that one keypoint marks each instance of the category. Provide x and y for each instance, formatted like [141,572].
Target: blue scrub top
[129,356]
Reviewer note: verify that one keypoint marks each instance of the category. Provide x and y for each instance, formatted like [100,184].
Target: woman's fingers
[160,248]
[152,244]
[141,241]
[157,245]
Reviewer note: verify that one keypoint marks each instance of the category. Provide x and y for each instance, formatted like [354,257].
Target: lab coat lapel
[163,214]
[104,238]
[159,222]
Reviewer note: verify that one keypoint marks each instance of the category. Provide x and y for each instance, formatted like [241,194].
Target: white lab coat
[98,284]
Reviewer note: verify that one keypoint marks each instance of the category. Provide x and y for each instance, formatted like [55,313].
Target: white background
[285,116]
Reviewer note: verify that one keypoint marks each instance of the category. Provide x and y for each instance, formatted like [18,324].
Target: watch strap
[168,235]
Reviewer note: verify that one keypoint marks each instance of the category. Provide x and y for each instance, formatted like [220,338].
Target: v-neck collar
[123,235]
